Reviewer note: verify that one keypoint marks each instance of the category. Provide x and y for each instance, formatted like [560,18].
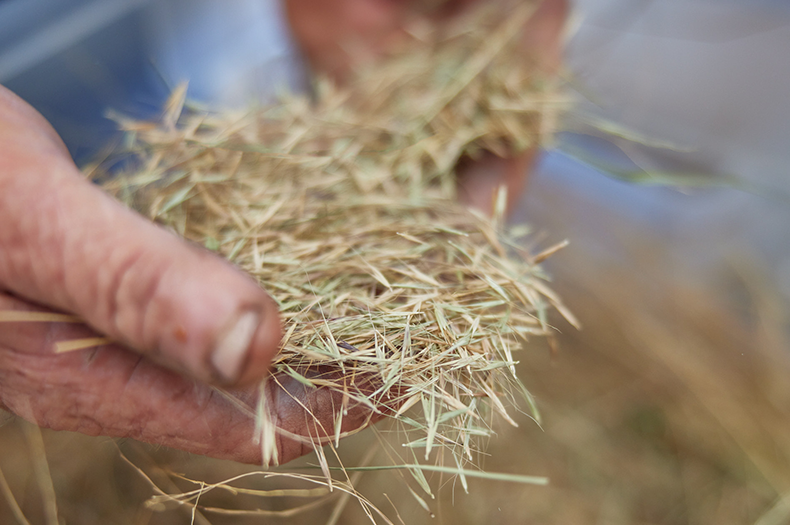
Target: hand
[183,318]
[331,33]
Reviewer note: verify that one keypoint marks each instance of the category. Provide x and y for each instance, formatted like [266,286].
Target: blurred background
[671,406]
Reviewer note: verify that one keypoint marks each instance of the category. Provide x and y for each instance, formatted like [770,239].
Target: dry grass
[670,408]
[344,209]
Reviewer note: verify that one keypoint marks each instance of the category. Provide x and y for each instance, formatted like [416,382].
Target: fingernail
[232,348]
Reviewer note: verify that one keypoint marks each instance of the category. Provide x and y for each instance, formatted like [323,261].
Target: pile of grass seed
[342,205]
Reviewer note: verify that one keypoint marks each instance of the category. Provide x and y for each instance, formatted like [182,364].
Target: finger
[112,392]
[27,123]
[334,36]
[305,416]
[543,34]
[68,245]
[479,180]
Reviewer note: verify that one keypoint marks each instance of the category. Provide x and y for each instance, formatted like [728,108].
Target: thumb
[66,244]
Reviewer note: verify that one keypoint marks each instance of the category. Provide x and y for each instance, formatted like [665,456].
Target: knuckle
[128,293]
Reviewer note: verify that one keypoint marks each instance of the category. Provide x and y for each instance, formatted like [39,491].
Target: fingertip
[245,349]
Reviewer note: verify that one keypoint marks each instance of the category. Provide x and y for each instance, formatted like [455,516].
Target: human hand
[183,318]
[334,34]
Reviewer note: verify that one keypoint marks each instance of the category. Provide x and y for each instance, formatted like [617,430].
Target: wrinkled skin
[67,247]
[112,391]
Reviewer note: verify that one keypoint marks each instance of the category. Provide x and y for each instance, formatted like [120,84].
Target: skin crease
[65,246]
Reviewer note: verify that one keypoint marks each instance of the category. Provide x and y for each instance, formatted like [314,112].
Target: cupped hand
[334,34]
[183,319]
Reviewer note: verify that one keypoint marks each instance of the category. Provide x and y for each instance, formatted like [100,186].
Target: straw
[343,207]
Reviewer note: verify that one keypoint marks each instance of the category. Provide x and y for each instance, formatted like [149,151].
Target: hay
[343,208]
